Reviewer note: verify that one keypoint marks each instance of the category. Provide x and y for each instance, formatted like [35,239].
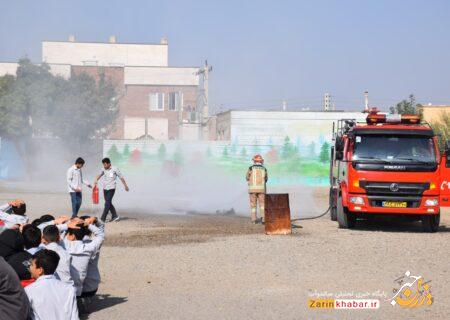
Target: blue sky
[264,51]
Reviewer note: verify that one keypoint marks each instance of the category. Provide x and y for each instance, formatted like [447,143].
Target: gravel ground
[223,267]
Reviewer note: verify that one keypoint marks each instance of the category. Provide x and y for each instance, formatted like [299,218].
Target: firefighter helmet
[258,158]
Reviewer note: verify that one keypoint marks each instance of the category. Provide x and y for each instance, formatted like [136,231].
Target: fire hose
[315,217]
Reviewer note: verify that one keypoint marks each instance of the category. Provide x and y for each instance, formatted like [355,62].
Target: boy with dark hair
[49,297]
[51,241]
[81,251]
[12,250]
[31,238]
[13,213]
[110,175]
[74,182]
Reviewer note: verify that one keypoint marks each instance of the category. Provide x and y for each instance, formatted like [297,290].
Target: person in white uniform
[51,241]
[49,297]
[81,251]
[75,181]
[110,175]
[13,213]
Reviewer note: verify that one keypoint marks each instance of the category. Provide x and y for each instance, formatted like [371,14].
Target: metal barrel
[277,214]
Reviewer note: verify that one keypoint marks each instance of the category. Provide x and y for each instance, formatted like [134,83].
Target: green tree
[324,155]
[36,103]
[24,102]
[407,106]
[162,152]
[84,109]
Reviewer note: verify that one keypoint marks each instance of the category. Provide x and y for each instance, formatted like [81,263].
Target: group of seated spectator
[49,267]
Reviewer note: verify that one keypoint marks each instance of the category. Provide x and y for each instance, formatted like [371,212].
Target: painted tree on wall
[114,154]
[288,150]
[244,153]
[233,149]
[324,156]
[312,149]
[162,152]
[126,152]
[225,152]
[136,157]
[272,155]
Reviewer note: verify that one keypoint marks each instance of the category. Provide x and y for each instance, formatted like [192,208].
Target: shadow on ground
[394,225]
[102,301]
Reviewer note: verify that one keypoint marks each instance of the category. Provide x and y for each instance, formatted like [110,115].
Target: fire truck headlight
[357,200]
[431,202]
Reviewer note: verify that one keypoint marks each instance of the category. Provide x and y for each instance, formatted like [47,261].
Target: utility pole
[366,101]
[204,72]
[327,102]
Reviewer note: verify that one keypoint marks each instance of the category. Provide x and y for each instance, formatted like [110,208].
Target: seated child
[13,214]
[49,297]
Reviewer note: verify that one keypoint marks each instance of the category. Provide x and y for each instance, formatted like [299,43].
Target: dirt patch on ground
[171,230]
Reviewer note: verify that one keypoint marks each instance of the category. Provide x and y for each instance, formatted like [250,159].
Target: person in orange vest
[257,179]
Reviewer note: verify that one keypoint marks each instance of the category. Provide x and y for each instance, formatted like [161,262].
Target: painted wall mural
[292,163]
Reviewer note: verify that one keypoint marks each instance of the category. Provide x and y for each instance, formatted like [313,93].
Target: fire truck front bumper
[405,205]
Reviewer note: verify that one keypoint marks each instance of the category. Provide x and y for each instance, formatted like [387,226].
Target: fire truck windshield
[394,149]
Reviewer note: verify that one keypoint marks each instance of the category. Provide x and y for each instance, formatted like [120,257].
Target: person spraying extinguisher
[110,175]
[257,178]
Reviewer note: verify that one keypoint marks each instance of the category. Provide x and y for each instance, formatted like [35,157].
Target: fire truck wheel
[431,223]
[345,218]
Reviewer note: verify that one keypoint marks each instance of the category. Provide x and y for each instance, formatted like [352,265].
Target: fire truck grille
[394,188]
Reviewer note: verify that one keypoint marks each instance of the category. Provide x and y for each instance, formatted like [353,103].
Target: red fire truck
[389,165]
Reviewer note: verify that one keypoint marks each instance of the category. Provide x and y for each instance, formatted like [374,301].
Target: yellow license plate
[394,204]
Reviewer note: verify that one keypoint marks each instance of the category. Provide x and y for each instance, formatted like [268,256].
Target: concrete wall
[161,76]
[8,68]
[190,131]
[105,54]
[223,126]
[434,113]
[61,70]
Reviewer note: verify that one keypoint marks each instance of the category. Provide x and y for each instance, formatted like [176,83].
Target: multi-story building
[156,101]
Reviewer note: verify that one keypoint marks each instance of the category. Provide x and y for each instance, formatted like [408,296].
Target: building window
[175,101]
[156,101]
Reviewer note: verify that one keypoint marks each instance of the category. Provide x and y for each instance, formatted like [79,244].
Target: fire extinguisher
[95,195]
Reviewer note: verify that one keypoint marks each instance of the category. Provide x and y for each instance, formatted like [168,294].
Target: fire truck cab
[389,165]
